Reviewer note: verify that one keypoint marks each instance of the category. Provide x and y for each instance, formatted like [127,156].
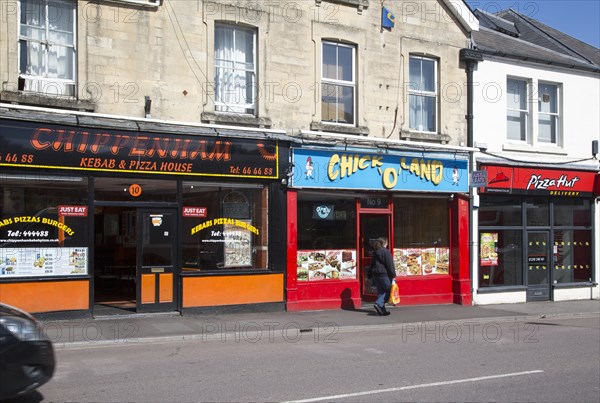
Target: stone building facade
[126,52]
[260,90]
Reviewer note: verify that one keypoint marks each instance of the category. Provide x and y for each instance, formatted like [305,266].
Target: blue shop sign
[368,171]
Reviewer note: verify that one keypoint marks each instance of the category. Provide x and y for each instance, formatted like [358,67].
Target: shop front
[536,235]
[95,220]
[340,200]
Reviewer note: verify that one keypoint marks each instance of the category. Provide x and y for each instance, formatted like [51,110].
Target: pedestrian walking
[382,272]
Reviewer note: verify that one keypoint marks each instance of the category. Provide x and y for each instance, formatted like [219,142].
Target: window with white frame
[235,69]
[517,109]
[143,3]
[338,83]
[422,92]
[47,51]
[548,113]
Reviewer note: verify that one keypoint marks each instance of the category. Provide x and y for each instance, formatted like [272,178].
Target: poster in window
[442,260]
[40,262]
[421,261]
[487,242]
[328,264]
[237,248]
[428,261]
[408,262]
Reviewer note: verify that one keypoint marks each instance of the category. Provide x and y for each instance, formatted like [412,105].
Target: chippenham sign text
[35,145]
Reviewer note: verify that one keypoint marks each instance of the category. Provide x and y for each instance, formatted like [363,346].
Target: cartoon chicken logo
[455,176]
[309,168]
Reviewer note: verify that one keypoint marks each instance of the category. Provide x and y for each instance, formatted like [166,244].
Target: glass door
[538,266]
[372,226]
[156,260]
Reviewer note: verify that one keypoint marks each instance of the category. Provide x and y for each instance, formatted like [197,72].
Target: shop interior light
[222,185]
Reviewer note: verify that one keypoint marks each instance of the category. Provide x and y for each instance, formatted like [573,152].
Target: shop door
[156,260]
[372,226]
[538,266]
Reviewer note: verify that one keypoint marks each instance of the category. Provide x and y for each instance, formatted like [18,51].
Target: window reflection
[537,212]
[572,256]
[501,258]
[500,211]
[318,230]
[224,227]
[572,212]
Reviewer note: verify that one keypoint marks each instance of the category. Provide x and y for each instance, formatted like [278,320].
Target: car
[27,358]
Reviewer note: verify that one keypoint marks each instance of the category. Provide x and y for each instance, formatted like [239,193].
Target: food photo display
[329,264]
[421,261]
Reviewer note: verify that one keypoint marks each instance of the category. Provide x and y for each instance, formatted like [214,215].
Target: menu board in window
[237,247]
[421,261]
[328,264]
[34,262]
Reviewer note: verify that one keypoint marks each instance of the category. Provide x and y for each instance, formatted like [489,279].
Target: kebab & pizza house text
[95,219]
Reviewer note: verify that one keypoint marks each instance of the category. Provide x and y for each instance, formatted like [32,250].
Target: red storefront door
[371,226]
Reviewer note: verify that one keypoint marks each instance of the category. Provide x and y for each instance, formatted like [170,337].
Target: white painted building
[536,224]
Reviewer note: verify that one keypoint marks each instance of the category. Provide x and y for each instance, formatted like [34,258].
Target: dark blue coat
[382,264]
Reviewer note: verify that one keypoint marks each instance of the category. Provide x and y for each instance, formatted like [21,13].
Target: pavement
[111,330]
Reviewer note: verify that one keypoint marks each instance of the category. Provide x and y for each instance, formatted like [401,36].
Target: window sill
[37,279]
[359,4]
[232,119]
[583,284]
[38,99]
[226,272]
[425,136]
[141,3]
[531,149]
[341,129]
[501,288]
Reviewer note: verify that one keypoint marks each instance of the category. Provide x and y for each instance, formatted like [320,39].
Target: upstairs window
[521,112]
[548,116]
[517,110]
[338,83]
[47,52]
[422,92]
[235,69]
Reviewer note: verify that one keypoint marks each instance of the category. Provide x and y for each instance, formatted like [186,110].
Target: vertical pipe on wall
[471,58]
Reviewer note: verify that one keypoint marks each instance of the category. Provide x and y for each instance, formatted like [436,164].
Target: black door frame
[154,269]
[175,206]
[539,292]
[363,212]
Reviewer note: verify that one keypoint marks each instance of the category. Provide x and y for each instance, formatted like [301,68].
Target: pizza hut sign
[539,182]
[547,182]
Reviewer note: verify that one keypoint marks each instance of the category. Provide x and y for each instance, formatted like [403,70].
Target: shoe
[386,313]
[378,309]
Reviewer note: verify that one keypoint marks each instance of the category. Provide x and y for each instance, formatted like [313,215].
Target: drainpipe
[471,58]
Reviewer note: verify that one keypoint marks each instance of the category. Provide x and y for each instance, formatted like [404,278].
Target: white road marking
[423,385]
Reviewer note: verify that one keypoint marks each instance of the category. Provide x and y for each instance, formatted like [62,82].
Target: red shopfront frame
[305,296]
[447,289]
[540,181]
